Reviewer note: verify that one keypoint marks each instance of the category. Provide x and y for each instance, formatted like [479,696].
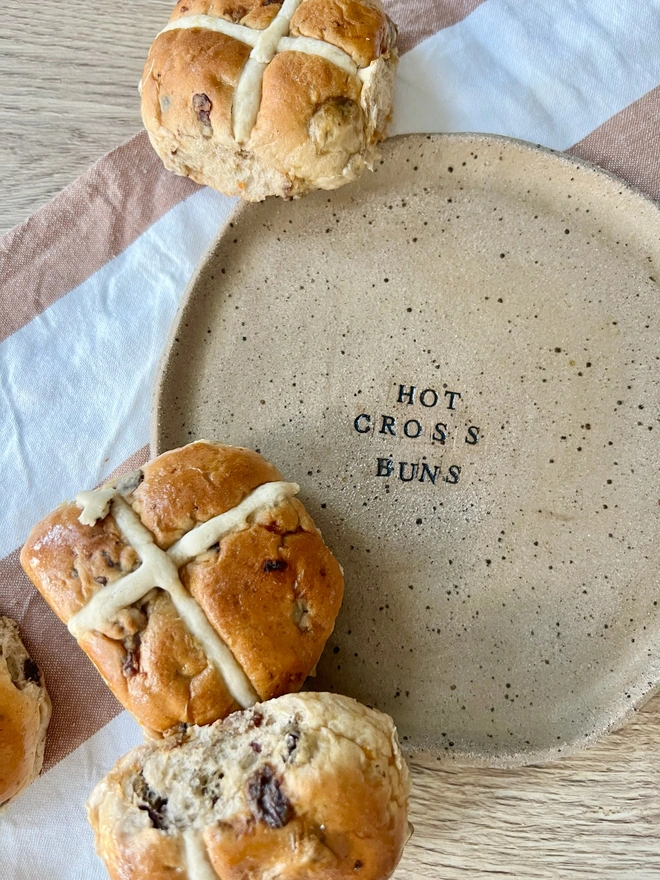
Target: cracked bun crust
[305,112]
[268,589]
[24,714]
[309,786]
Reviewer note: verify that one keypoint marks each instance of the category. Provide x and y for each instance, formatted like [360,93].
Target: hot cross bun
[259,98]
[197,585]
[306,787]
[24,714]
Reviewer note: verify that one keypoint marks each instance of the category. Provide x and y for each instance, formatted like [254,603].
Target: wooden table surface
[69,71]
[69,74]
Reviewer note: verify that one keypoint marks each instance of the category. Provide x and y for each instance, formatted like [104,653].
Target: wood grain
[595,815]
[69,72]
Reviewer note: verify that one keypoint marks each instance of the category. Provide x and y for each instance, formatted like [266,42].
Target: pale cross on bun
[197,585]
[24,714]
[259,98]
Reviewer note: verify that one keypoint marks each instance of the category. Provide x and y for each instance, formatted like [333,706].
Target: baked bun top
[305,786]
[24,714]
[197,585]
[257,98]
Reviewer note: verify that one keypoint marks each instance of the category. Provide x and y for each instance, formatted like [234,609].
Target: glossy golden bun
[270,589]
[24,714]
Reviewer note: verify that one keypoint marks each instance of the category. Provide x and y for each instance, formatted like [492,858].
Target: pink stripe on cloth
[421,19]
[628,144]
[85,226]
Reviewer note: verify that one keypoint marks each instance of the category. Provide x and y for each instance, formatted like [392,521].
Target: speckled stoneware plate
[457,359]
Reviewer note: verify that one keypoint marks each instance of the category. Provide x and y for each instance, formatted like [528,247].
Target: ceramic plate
[457,359]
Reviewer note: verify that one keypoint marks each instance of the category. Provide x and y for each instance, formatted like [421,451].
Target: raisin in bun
[259,98]
[197,585]
[309,786]
[24,714]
